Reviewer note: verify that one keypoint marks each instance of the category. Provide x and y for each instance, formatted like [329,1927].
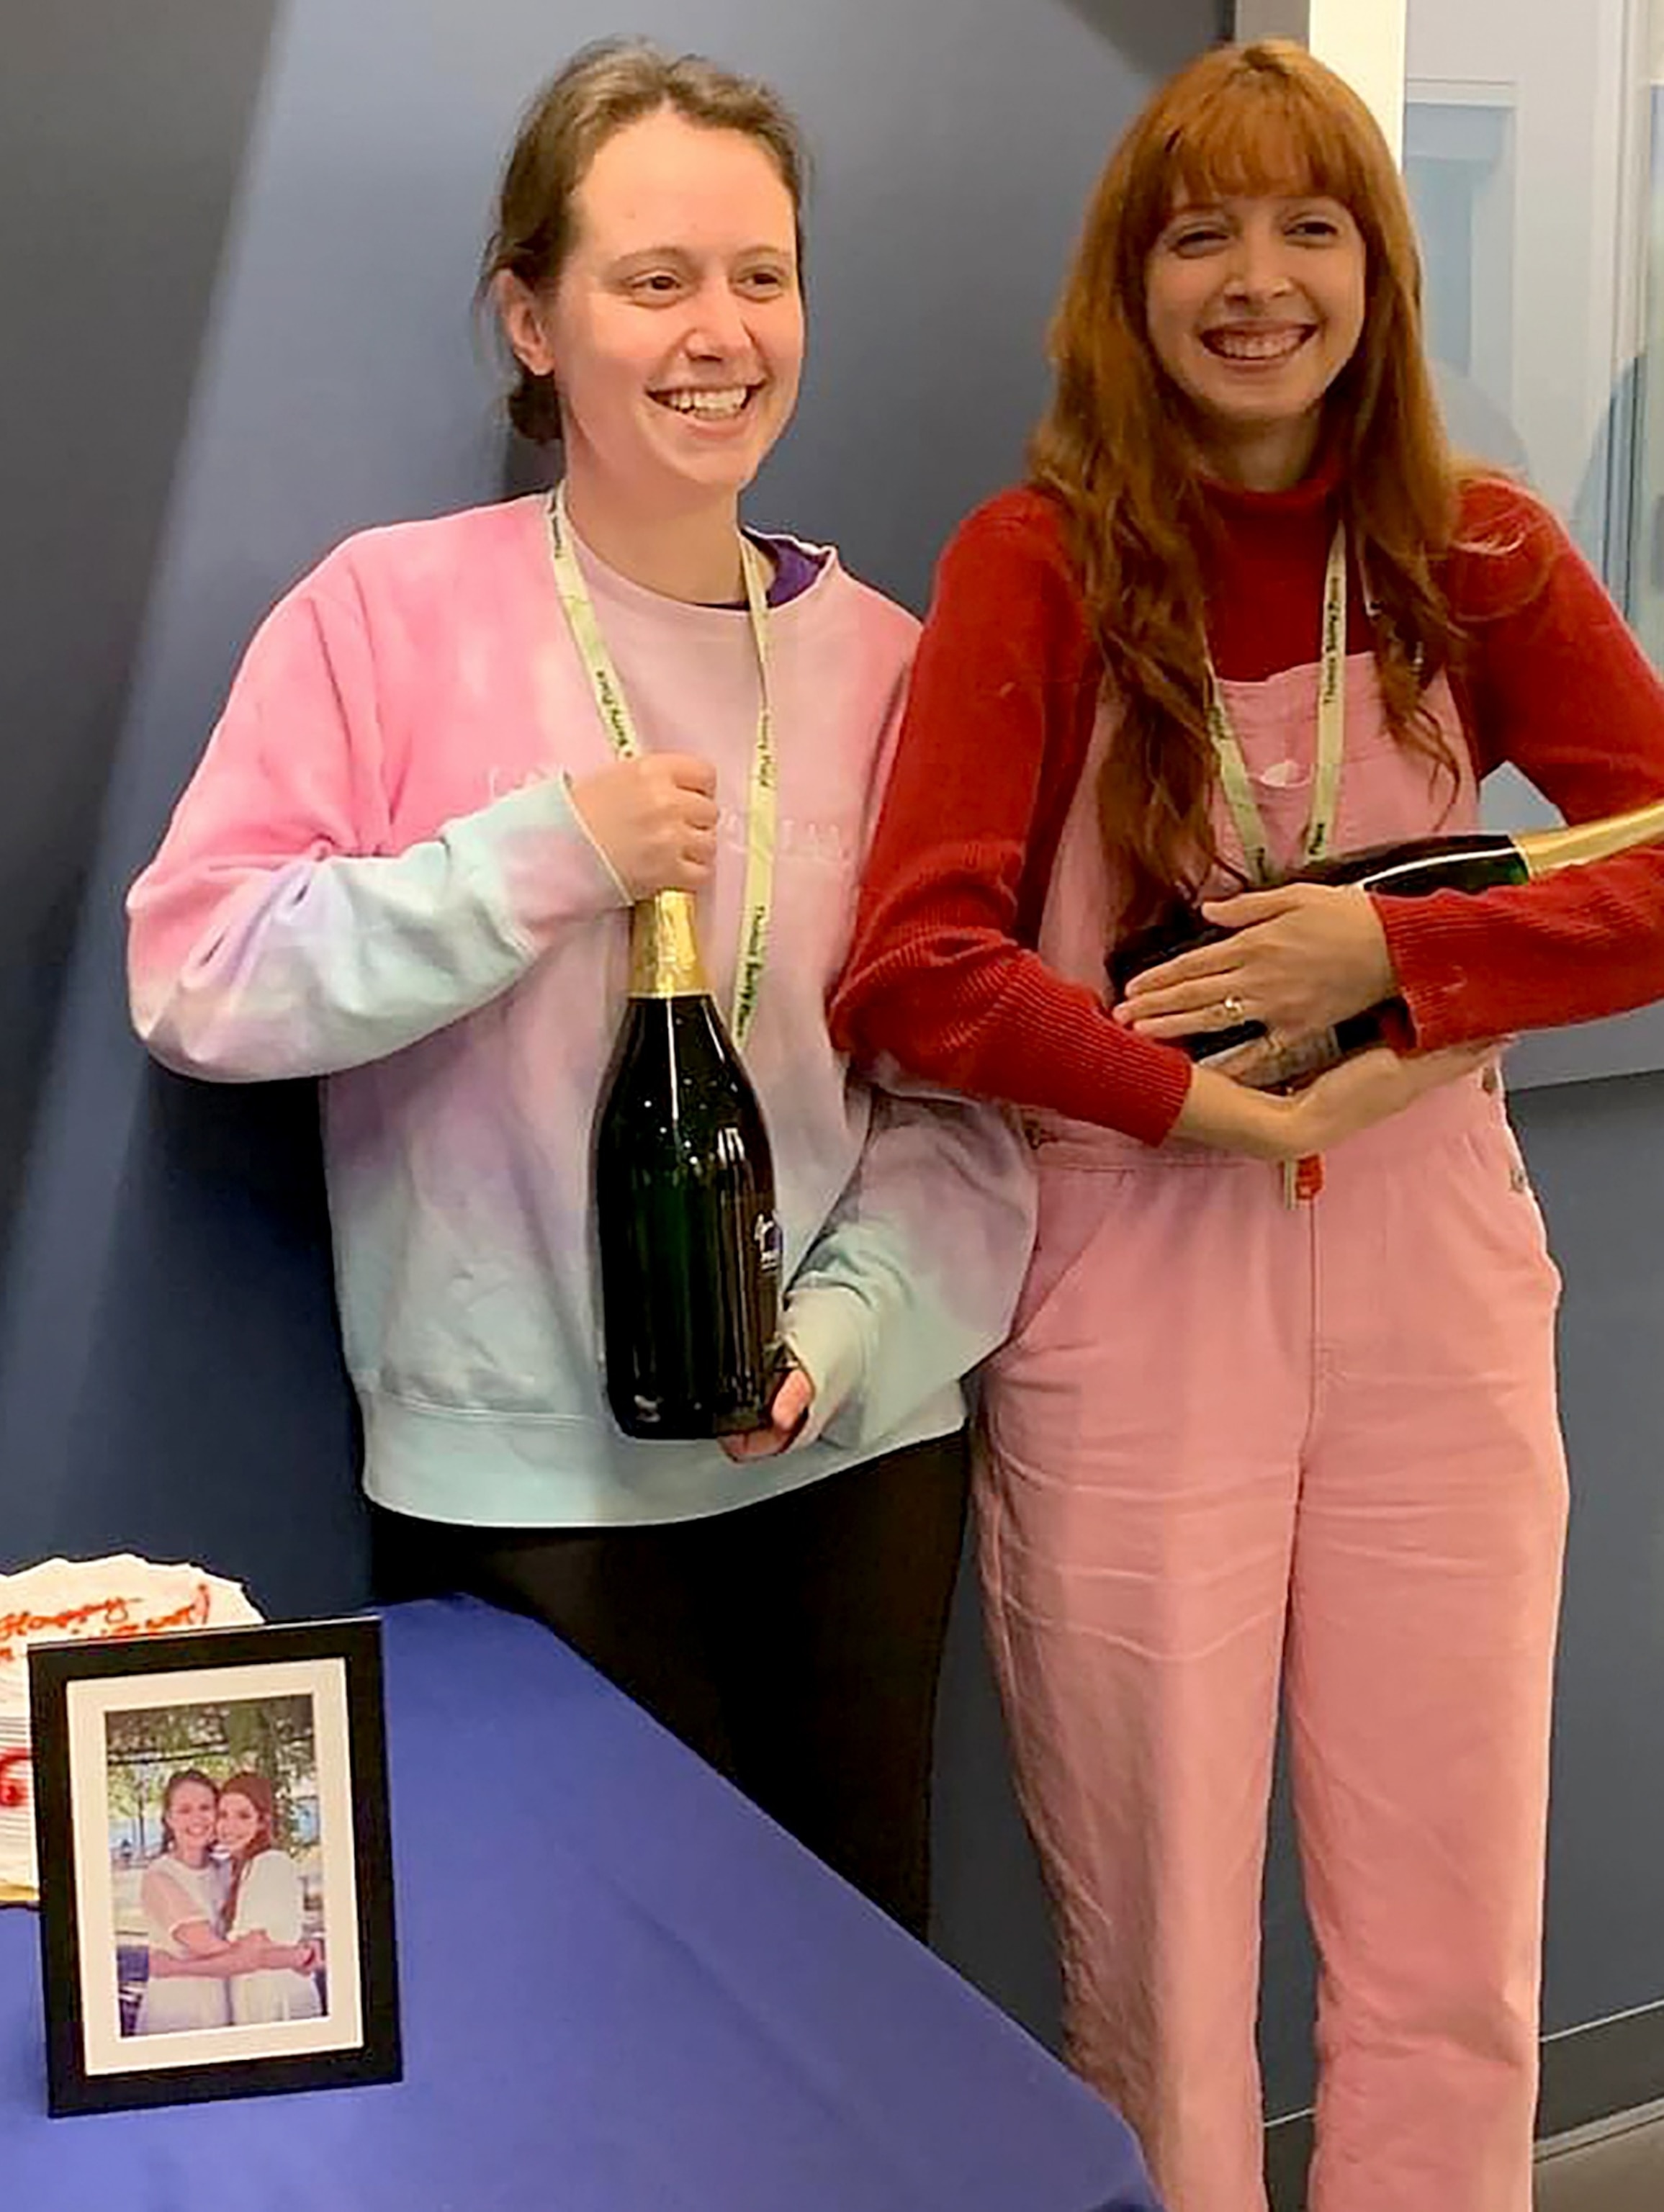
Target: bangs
[1279,142]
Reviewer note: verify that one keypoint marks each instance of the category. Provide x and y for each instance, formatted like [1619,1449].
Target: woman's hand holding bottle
[1369,1087]
[786,1417]
[1300,958]
[654,820]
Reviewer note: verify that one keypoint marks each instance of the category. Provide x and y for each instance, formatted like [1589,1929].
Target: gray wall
[1597,1153]
[245,241]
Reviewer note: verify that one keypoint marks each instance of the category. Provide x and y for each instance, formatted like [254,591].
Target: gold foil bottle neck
[664,949]
[1545,850]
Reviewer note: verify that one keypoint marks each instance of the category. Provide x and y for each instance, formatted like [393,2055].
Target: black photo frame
[133,1742]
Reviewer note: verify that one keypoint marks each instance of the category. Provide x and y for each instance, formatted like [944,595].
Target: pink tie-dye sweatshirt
[376,876]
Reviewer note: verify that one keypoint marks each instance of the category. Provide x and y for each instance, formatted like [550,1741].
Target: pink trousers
[1234,1452]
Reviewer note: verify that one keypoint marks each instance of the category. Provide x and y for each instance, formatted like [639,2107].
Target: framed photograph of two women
[216,1876]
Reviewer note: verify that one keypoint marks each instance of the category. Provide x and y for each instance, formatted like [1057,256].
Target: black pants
[793,1644]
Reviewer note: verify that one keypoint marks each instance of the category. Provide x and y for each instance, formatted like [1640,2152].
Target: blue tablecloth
[623,1991]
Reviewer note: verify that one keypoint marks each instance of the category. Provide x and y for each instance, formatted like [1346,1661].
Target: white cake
[61,1599]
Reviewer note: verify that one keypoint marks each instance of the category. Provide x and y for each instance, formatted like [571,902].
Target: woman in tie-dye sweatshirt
[406,864]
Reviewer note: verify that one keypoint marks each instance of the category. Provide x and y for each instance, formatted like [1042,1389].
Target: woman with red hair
[1276,1420]
[265,1898]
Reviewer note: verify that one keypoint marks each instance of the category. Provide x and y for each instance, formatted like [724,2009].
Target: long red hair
[1117,446]
[261,1795]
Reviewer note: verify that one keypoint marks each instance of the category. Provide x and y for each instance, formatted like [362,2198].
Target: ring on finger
[1231,1006]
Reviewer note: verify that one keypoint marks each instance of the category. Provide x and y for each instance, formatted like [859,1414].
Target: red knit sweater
[943,974]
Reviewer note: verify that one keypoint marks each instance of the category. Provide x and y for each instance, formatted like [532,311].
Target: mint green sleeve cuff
[828,1333]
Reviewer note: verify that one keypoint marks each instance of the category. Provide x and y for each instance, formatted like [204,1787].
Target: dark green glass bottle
[1477,860]
[684,1204]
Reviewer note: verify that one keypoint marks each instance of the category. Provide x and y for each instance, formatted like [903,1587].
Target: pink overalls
[1234,1448]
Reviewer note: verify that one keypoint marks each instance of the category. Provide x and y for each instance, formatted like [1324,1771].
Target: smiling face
[675,332]
[1254,307]
[239,1823]
[188,1817]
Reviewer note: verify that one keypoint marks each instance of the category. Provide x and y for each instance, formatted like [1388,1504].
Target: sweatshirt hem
[474,1468]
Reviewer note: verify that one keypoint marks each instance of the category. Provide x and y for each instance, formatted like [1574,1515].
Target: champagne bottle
[1479,860]
[684,1200]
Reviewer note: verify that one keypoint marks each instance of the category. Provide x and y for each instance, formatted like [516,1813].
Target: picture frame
[216,1899]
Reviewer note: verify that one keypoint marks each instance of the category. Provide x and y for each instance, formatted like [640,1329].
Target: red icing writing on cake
[114,1615]
[14,1788]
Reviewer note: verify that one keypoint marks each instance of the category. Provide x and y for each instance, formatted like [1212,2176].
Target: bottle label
[769,1244]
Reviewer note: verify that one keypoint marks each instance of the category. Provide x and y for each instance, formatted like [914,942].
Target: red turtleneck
[942,974]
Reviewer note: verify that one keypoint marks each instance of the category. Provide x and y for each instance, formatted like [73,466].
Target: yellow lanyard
[614,710]
[1330,736]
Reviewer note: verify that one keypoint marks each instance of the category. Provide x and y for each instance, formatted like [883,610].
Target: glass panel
[1459,167]
[1515,136]
[1518,130]
[1646,568]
